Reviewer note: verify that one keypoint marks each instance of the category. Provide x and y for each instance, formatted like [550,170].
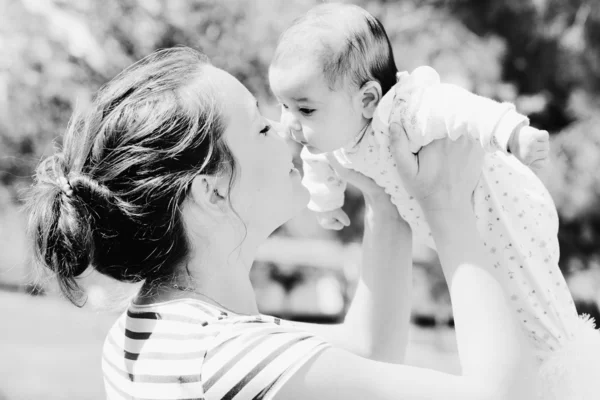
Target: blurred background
[542,55]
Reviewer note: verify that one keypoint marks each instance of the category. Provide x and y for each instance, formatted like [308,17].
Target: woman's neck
[225,283]
[214,273]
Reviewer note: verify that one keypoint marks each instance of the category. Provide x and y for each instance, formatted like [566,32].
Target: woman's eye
[306,111]
[265,130]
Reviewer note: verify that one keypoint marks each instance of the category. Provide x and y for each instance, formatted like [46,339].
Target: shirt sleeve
[432,110]
[326,188]
[253,359]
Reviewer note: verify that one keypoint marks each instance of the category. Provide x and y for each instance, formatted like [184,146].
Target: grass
[50,349]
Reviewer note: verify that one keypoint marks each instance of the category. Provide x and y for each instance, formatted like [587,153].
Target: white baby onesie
[515,214]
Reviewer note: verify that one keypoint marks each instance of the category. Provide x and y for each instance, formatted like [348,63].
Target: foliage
[544,55]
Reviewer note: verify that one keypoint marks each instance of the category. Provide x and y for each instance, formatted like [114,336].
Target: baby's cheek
[309,134]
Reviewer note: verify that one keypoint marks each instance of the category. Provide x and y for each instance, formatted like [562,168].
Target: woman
[174,179]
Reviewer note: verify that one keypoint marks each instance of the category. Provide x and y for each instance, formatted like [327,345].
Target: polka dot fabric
[518,223]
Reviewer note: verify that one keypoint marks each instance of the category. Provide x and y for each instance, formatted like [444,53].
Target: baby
[335,76]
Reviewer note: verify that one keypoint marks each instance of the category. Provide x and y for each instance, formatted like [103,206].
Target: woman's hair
[111,199]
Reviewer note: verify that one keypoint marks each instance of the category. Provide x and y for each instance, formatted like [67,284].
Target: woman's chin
[297,204]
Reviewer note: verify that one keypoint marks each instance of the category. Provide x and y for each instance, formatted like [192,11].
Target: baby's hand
[531,146]
[335,219]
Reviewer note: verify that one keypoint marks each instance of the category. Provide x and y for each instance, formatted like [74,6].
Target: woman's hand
[441,175]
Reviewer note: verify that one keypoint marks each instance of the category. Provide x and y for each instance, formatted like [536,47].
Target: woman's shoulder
[179,322]
[198,313]
[222,352]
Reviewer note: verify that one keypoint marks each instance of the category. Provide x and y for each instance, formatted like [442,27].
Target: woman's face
[267,190]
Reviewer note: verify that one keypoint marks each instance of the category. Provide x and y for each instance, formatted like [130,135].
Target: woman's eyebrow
[257,108]
[257,113]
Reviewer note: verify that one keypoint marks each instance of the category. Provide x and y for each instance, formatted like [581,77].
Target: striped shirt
[189,349]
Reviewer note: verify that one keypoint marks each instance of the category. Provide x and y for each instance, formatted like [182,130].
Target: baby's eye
[306,111]
[284,106]
[265,130]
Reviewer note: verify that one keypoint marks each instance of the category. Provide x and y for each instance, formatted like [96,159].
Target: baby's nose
[290,121]
[298,136]
[293,126]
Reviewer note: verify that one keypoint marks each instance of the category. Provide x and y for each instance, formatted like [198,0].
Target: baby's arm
[497,126]
[326,190]
[434,110]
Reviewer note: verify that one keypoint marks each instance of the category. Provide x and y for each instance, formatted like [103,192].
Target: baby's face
[321,119]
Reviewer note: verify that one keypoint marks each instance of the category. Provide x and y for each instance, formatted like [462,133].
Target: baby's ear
[370,97]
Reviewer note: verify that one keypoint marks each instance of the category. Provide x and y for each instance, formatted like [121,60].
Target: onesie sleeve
[430,110]
[326,188]
[254,358]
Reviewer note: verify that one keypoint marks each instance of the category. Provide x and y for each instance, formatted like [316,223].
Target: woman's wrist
[446,199]
[383,218]
[380,206]
[444,220]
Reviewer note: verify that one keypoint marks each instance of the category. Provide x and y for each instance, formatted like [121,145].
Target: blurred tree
[552,48]
[56,53]
[544,55]
[575,186]
[553,59]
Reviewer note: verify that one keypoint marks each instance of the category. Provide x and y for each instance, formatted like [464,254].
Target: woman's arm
[379,315]
[442,178]
[337,374]
[376,324]
[492,363]
[490,345]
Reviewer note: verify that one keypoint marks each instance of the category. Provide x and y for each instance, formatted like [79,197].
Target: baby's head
[330,69]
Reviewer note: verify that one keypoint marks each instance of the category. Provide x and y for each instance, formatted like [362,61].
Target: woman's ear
[209,192]
[370,95]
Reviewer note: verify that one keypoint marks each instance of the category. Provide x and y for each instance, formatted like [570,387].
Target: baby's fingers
[541,145]
[332,224]
[542,136]
[336,219]
[539,165]
[342,217]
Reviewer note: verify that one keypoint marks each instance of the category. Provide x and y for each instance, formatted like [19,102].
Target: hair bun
[90,189]
[59,224]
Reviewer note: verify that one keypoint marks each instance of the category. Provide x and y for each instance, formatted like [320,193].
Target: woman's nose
[280,129]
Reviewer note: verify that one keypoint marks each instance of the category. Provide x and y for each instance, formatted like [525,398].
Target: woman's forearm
[489,342]
[379,315]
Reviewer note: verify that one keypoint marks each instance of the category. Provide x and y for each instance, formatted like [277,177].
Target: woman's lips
[313,150]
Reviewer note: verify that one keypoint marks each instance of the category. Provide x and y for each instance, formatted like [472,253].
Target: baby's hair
[111,198]
[350,43]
